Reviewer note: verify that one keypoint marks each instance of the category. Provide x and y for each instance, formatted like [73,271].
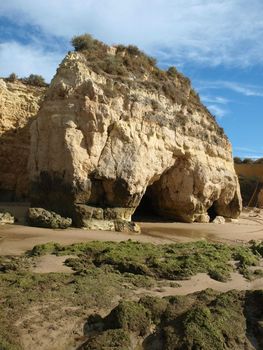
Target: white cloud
[210,32]
[246,152]
[245,89]
[218,111]
[215,99]
[241,88]
[27,59]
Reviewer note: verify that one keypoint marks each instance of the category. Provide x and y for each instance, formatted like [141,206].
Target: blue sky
[217,43]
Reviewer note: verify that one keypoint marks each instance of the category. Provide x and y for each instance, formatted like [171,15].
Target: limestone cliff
[260,199]
[19,103]
[114,129]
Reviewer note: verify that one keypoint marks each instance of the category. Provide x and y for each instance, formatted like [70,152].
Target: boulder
[40,217]
[108,219]
[219,220]
[6,218]
[109,141]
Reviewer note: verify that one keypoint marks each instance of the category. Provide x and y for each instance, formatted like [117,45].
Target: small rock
[203,218]
[95,224]
[6,218]
[253,215]
[40,217]
[127,226]
[219,220]
[233,221]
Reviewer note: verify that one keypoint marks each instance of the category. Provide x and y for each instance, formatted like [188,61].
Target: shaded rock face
[19,104]
[260,199]
[105,141]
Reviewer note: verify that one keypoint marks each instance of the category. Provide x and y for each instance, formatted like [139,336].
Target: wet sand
[16,239]
[202,281]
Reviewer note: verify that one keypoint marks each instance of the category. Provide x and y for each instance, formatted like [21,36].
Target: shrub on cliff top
[172,71]
[35,80]
[12,77]
[82,42]
[237,160]
[248,161]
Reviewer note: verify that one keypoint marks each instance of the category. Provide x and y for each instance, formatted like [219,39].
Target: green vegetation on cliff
[128,62]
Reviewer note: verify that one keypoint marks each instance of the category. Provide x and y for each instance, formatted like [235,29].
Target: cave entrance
[146,210]
[212,212]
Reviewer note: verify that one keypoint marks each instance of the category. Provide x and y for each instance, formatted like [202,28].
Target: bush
[259,161]
[248,161]
[134,50]
[35,80]
[237,160]
[172,71]
[82,42]
[12,77]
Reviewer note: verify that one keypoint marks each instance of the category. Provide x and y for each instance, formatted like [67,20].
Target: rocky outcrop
[113,140]
[40,217]
[6,218]
[107,219]
[19,104]
[260,199]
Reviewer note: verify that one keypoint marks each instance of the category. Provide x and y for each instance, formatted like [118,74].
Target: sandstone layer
[19,104]
[111,141]
[260,199]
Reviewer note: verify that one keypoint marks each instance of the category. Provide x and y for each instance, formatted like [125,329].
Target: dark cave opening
[146,210]
[212,212]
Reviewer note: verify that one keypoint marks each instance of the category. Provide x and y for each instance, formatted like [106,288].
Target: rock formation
[260,199]
[115,131]
[42,218]
[19,103]
[6,218]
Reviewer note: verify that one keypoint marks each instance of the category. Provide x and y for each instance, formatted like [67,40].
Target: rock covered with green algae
[204,320]
[40,217]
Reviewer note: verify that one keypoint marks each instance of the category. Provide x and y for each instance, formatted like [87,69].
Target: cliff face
[107,140]
[19,104]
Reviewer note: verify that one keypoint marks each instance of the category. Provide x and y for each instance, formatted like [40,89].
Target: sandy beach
[18,238]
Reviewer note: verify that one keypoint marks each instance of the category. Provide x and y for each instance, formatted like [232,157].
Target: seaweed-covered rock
[204,320]
[129,316]
[40,217]
[112,339]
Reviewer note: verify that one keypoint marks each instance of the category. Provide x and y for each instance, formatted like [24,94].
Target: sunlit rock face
[19,103]
[107,141]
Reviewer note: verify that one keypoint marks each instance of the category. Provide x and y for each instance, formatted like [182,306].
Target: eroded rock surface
[107,140]
[19,104]
[40,217]
[6,218]
[260,199]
